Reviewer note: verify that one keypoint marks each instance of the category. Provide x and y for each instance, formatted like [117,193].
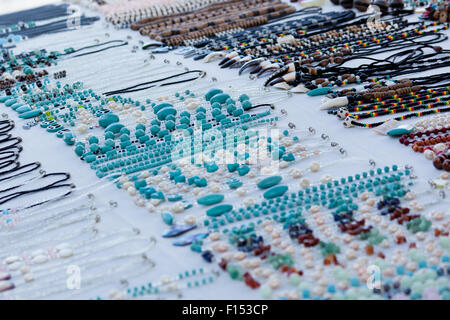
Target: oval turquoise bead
[219,210]
[211,93]
[269,182]
[400,131]
[24,108]
[275,192]
[108,119]
[220,98]
[90,158]
[319,91]
[10,102]
[210,199]
[114,127]
[161,106]
[16,105]
[166,112]
[31,114]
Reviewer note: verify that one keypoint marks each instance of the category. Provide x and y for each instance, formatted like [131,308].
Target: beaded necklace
[283,263]
[185,280]
[321,80]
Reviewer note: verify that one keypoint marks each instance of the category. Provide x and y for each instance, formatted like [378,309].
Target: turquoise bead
[166,112]
[243,170]
[243,97]
[93,140]
[216,105]
[399,131]
[246,105]
[90,158]
[210,199]
[16,106]
[269,182]
[154,129]
[31,114]
[275,192]
[114,127]
[174,197]
[319,91]
[211,93]
[10,102]
[170,125]
[167,218]
[139,133]
[24,108]
[161,106]
[79,150]
[220,98]
[108,119]
[219,210]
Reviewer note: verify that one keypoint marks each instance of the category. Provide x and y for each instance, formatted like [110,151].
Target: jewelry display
[164,163]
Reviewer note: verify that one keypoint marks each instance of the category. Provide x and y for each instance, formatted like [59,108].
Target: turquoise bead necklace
[373,238]
[185,280]
[316,195]
[47,116]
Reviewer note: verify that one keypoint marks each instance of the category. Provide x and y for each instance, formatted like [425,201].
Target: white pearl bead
[12,259]
[241,191]
[314,167]
[178,207]
[65,253]
[295,173]
[25,269]
[131,191]
[28,277]
[150,207]
[305,183]
[39,259]
[429,154]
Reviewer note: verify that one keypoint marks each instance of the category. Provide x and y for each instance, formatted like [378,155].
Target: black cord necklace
[6,126]
[71,51]
[32,166]
[153,84]
[54,185]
